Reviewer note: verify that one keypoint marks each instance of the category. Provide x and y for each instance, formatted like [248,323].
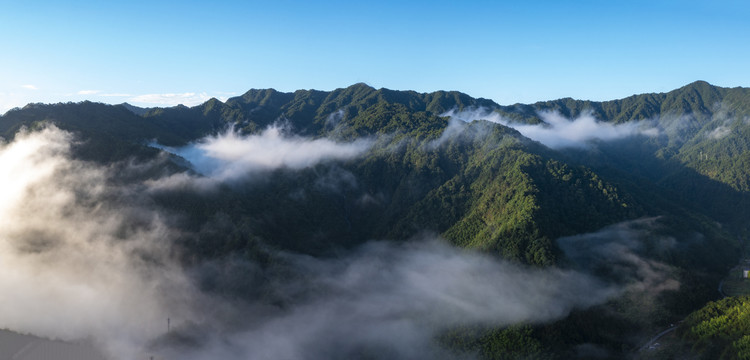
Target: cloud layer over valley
[558,131]
[82,259]
[88,257]
[391,300]
[231,156]
[618,249]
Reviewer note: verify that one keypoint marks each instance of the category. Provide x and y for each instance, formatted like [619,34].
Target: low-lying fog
[86,257]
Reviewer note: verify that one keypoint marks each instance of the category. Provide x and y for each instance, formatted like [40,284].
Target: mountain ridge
[478,184]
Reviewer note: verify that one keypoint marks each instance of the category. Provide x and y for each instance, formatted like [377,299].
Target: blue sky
[160,53]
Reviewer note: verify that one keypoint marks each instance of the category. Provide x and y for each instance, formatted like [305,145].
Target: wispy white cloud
[88,92]
[621,247]
[77,265]
[30,87]
[231,156]
[558,131]
[563,132]
[724,118]
[395,298]
[719,133]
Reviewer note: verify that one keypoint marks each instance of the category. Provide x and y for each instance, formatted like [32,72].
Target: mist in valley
[88,256]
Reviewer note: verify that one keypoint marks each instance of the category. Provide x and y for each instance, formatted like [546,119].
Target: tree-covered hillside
[476,189]
[479,184]
[719,330]
[703,127]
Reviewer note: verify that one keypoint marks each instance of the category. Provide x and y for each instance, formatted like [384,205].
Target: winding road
[653,340]
[657,337]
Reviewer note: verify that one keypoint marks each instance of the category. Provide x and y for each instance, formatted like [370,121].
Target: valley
[372,223]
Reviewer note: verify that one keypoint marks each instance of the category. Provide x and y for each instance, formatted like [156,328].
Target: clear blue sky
[152,53]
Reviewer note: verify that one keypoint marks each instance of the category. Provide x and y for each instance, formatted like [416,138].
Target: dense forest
[653,200]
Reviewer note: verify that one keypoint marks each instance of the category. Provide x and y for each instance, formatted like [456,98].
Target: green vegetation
[485,187]
[735,284]
[720,329]
[514,342]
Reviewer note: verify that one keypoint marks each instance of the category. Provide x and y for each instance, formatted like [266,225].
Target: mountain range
[649,194]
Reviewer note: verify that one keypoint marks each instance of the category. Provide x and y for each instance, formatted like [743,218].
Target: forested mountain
[671,170]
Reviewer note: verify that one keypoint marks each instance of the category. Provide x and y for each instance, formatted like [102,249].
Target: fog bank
[558,131]
[231,156]
[87,257]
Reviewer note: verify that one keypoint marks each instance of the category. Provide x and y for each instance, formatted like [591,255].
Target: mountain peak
[135,109]
[700,85]
[360,85]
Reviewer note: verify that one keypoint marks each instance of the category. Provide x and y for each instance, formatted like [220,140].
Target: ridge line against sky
[162,53]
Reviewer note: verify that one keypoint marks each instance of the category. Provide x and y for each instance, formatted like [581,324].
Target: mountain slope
[481,187]
[702,126]
[479,184]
